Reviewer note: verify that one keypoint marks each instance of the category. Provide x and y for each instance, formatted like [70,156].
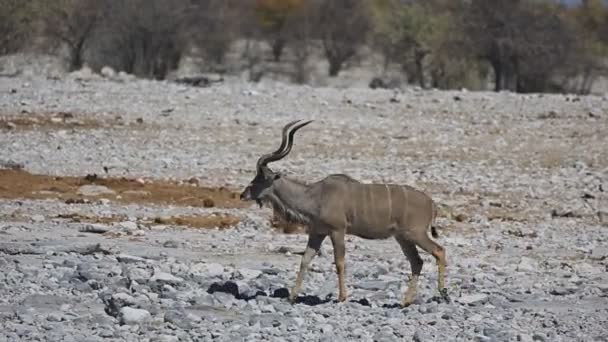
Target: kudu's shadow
[311,300]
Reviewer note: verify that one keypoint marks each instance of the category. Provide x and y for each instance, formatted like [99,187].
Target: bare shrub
[71,23]
[273,16]
[212,26]
[524,42]
[589,23]
[343,26]
[143,37]
[15,25]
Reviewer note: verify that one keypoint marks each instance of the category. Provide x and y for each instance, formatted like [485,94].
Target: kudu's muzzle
[246,194]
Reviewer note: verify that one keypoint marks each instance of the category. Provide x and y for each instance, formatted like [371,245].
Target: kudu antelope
[339,205]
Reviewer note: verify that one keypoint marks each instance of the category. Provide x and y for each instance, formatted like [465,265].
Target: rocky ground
[120,221]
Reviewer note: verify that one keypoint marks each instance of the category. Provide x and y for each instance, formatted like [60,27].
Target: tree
[145,37]
[72,23]
[16,20]
[212,26]
[300,32]
[273,17]
[589,22]
[525,42]
[410,34]
[419,28]
[343,26]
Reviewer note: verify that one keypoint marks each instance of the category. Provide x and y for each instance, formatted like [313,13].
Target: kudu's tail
[434,232]
[433,227]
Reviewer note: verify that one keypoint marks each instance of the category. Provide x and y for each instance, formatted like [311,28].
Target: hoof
[405,304]
[444,295]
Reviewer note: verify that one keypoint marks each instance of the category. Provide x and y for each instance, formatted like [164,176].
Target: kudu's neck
[292,200]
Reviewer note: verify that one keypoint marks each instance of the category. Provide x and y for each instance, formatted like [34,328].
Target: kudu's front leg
[312,248]
[337,239]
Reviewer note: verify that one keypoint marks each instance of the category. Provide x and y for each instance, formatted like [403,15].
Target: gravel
[520,180]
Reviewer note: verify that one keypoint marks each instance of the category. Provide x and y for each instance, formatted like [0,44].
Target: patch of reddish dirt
[16,184]
[62,120]
[51,120]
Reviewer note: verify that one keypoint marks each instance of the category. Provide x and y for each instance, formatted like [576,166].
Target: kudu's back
[375,211]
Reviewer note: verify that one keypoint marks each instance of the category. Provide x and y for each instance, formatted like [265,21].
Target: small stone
[108,72]
[129,259]
[372,285]
[525,338]
[225,299]
[118,301]
[267,308]
[165,338]
[106,332]
[327,328]
[128,225]
[166,278]
[55,317]
[299,321]
[527,265]
[138,232]
[94,190]
[460,217]
[207,270]
[603,287]
[474,299]
[132,316]
[562,291]
[37,218]
[248,274]
[179,319]
[171,244]
[599,253]
[584,269]
[476,318]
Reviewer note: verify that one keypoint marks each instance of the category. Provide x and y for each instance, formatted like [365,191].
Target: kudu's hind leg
[411,253]
[313,246]
[438,252]
[337,239]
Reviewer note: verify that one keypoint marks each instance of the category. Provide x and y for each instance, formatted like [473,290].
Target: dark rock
[281,293]
[227,287]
